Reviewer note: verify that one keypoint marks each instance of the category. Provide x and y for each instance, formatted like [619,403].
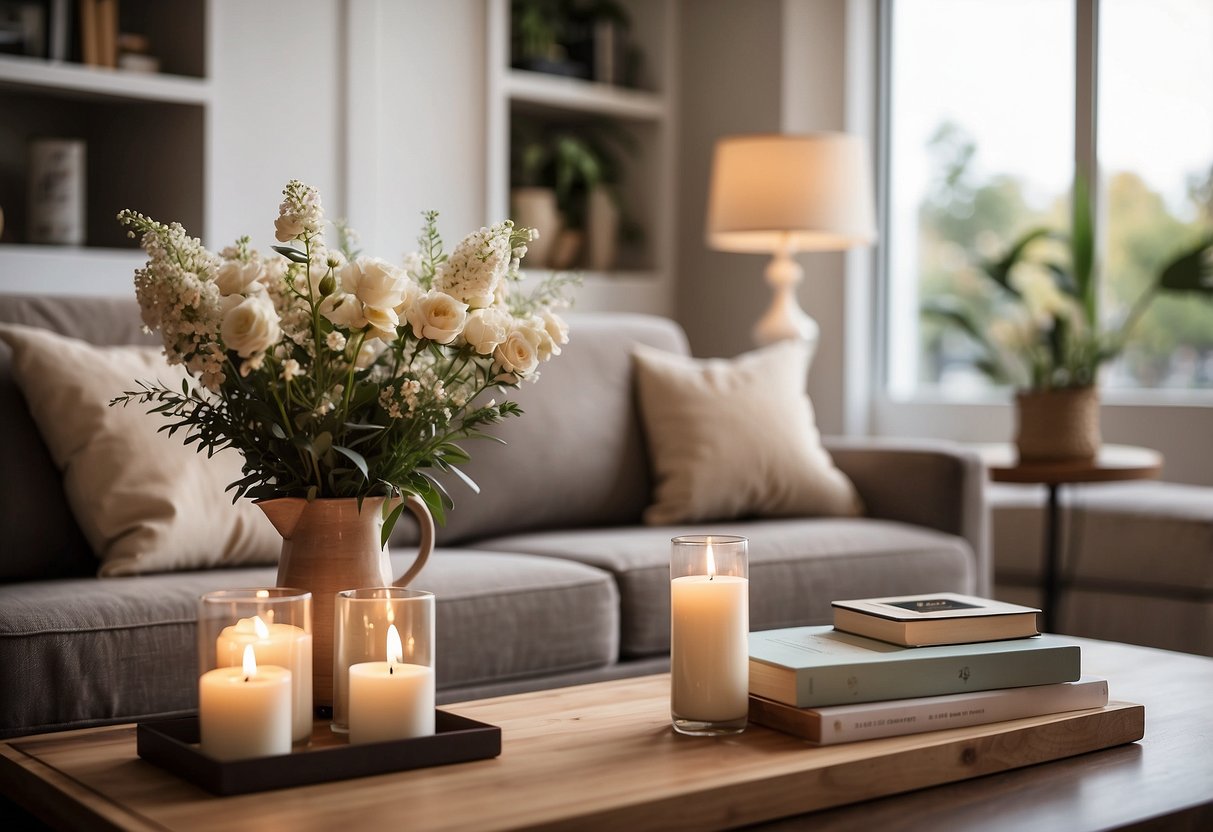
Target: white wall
[275,66]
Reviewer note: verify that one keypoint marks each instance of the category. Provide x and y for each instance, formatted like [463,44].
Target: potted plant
[1042,332]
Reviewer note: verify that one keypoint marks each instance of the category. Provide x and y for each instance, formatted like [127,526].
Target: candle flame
[259,625]
[711,562]
[395,654]
[250,662]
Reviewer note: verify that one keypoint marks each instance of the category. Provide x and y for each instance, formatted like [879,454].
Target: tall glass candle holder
[709,634]
[277,623]
[383,663]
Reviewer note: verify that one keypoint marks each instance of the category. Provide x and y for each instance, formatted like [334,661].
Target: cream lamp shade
[781,194]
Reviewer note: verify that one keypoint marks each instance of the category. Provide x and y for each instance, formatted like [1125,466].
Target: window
[983,112]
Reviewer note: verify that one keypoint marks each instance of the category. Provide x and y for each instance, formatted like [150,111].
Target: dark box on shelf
[172,744]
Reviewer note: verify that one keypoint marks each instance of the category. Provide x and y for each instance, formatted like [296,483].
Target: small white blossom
[335,341]
[291,370]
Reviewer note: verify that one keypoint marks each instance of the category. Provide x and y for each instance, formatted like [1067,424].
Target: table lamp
[781,194]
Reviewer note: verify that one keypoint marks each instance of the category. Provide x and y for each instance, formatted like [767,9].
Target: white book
[896,717]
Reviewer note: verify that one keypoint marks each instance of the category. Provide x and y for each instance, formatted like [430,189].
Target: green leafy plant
[1042,330]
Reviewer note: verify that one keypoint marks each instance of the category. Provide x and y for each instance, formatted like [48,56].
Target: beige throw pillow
[736,438]
[144,500]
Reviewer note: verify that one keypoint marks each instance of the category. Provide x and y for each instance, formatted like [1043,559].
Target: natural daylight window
[982,118]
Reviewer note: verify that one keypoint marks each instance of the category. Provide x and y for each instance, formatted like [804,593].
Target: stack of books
[904,665]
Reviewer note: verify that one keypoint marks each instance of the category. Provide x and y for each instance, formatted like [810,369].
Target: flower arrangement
[337,374]
[1040,330]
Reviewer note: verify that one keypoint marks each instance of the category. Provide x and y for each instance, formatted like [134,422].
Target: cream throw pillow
[736,438]
[144,500]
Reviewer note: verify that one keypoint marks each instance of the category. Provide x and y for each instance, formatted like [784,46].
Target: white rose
[486,329]
[235,276]
[438,317]
[519,353]
[287,227]
[377,283]
[343,310]
[251,326]
[556,329]
[383,322]
[370,351]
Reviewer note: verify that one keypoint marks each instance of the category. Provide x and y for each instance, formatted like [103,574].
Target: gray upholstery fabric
[576,456]
[1132,535]
[76,652]
[30,484]
[796,568]
[939,485]
[1137,560]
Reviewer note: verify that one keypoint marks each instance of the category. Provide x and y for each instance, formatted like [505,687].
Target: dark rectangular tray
[172,744]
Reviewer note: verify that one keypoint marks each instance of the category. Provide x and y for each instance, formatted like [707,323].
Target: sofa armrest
[929,483]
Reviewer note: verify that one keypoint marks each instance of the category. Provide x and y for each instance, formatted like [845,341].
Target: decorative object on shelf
[579,168]
[539,32]
[99,33]
[709,631]
[135,53]
[276,624]
[535,208]
[338,375]
[385,656]
[784,194]
[57,191]
[1041,331]
[23,28]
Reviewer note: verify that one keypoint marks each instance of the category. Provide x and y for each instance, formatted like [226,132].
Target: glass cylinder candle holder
[709,634]
[383,664]
[277,624]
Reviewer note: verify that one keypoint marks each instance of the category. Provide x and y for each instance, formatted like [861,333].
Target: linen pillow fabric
[144,500]
[735,438]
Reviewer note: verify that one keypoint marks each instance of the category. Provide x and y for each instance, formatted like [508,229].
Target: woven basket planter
[1057,425]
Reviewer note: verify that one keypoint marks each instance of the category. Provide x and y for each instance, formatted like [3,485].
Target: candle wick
[390,669]
[246,678]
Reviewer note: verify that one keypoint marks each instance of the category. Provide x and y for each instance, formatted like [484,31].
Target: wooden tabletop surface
[571,749]
[1114,463]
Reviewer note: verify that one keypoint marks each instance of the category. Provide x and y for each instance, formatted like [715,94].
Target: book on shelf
[812,667]
[897,717]
[938,618]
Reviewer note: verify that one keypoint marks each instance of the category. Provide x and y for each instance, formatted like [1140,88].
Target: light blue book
[811,667]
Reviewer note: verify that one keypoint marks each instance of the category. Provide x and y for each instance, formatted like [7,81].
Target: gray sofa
[546,578]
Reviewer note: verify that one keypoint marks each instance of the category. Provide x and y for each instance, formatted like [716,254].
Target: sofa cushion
[41,538]
[732,438]
[1131,537]
[797,567]
[575,457]
[146,501]
[84,651]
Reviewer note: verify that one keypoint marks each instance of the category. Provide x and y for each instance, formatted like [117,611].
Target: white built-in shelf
[584,96]
[71,80]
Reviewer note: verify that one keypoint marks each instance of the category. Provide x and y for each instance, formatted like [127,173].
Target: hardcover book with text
[813,667]
[898,717]
[939,618]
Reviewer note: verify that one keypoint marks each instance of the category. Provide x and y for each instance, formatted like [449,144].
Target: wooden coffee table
[603,756]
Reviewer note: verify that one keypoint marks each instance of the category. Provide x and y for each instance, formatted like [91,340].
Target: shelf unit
[146,149]
[643,279]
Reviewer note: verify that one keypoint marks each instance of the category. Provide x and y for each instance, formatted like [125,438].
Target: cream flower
[383,323]
[486,329]
[251,326]
[291,370]
[477,266]
[369,352]
[335,341]
[376,283]
[344,310]
[288,227]
[557,330]
[519,353]
[438,317]
[235,276]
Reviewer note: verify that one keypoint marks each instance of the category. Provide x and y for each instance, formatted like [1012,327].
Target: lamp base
[784,319]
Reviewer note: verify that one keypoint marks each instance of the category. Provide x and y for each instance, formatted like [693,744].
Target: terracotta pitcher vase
[328,545]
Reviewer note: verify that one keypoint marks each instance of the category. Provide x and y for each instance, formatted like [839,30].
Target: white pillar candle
[709,650]
[245,711]
[282,645]
[391,700]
